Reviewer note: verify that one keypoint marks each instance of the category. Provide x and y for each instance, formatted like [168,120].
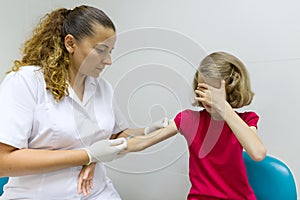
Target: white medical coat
[31,118]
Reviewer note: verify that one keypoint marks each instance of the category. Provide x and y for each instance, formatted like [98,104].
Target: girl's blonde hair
[224,66]
[46,47]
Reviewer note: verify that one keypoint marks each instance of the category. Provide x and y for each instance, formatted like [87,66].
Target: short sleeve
[185,118]
[17,101]
[187,123]
[120,120]
[177,120]
[250,118]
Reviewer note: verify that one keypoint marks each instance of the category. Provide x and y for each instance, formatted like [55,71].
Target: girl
[216,135]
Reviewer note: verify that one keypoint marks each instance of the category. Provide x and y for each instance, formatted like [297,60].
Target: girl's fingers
[199,99]
[200,93]
[223,84]
[203,85]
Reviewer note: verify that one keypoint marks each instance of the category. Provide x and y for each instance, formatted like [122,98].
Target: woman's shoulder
[27,69]
[23,83]
[29,74]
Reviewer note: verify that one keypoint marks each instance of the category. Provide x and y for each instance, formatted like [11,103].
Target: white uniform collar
[90,86]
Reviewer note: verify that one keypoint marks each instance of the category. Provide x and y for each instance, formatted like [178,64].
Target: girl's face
[214,82]
[92,54]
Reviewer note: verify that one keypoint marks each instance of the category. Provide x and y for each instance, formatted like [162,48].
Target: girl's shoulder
[247,114]
[250,117]
[193,112]
[190,114]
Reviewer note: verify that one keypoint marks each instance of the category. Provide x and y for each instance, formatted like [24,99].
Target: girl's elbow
[259,154]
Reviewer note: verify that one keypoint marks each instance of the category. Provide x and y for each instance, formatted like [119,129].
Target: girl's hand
[85,179]
[212,98]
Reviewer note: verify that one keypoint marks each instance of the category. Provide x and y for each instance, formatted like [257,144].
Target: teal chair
[3,181]
[270,179]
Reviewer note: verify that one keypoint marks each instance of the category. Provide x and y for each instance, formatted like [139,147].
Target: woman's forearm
[19,162]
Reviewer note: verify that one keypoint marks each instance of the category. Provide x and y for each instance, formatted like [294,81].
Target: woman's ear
[70,43]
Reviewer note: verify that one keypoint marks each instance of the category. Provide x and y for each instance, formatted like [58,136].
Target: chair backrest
[270,179]
[3,181]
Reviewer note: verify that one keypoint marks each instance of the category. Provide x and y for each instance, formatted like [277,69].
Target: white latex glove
[106,150]
[162,123]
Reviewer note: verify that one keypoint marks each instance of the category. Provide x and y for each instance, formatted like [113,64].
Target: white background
[159,45]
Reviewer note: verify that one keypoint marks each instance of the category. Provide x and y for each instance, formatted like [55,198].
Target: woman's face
[92,54]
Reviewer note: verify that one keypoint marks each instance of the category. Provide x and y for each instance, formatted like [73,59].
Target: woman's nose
[107,60]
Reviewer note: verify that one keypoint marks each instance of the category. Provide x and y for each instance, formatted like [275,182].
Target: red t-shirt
[216,165]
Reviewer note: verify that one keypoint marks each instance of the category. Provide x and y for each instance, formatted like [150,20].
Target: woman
[57,114]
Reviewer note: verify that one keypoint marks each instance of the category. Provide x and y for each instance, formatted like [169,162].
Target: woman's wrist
[87,159]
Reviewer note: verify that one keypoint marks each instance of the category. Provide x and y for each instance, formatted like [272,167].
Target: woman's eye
[100,50]
[103,49]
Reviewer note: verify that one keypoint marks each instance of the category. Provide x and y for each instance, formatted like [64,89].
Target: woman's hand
[106,150]
[162,123]
[85,179]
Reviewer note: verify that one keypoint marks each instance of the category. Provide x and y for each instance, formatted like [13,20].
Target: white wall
[159,44]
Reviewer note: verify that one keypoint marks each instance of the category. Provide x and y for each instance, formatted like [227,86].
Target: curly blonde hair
[224,66]
[46,47]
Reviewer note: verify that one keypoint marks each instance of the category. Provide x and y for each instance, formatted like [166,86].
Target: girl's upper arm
[171,129]
[162,134]
[253,128]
